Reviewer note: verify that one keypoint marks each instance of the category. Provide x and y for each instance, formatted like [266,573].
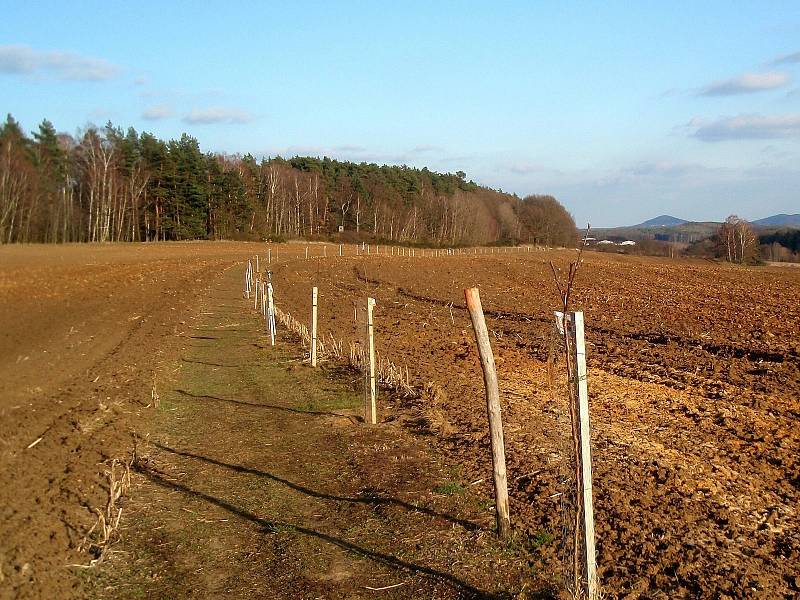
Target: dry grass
[104,531]
[389,375]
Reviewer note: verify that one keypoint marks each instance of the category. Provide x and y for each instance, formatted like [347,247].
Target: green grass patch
[449,488]
[540,538]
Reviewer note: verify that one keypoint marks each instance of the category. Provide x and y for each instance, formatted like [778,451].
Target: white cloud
[747,127]
[748,83]
[217,114]
[787,59]
[155,113]
[24,60]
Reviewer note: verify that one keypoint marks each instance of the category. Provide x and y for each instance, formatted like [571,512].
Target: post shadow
[296,411]
[366,499]
[203,362]
[467,590]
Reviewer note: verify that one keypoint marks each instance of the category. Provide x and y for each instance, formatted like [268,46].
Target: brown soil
[83,330]
[694,374]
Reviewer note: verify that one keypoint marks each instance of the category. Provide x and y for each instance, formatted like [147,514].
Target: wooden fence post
[340,249]
[372,410]
[248,276]
[270,313]
[314,327]
[584,458]
[306,252]
[255,295]
[493,409]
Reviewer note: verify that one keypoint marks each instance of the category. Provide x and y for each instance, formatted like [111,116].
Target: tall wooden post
[257,269]
[269,256]
[306,252]
[248,279]
[314,327]
[340,249]
[493,409]
[584,458]
[270,314]
[255,295]
[372,409]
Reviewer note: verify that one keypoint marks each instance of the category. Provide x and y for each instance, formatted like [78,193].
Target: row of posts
[263,290]
[365,249]
[572,323]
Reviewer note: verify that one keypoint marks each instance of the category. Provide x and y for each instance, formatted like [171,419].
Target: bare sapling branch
[582,583]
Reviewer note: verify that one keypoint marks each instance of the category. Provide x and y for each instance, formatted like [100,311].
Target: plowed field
[694,380]
[694,383]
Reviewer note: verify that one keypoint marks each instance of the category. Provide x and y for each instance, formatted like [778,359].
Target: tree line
[781,245]
[110,184]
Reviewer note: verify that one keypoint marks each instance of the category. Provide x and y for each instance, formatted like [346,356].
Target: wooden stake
[372,410]
[270,314]
[493,409]
[314,327]
[257,269]
[340,249]
[325,252]
[248,276]
[269,256]
[585,503]
[306,252]
[255,295]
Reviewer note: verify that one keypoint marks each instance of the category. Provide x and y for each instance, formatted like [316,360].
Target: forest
[109,184]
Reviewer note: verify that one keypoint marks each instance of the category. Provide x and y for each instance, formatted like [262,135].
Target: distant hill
[662,221]
[781,220]
[683,231]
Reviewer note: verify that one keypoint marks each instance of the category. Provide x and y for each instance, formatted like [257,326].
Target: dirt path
[260,481]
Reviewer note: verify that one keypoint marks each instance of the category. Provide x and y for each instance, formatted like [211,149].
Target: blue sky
[623,111]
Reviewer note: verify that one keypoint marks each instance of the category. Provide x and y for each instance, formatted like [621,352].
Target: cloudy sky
[624,111]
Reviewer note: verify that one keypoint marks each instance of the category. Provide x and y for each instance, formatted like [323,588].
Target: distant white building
[627,243]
